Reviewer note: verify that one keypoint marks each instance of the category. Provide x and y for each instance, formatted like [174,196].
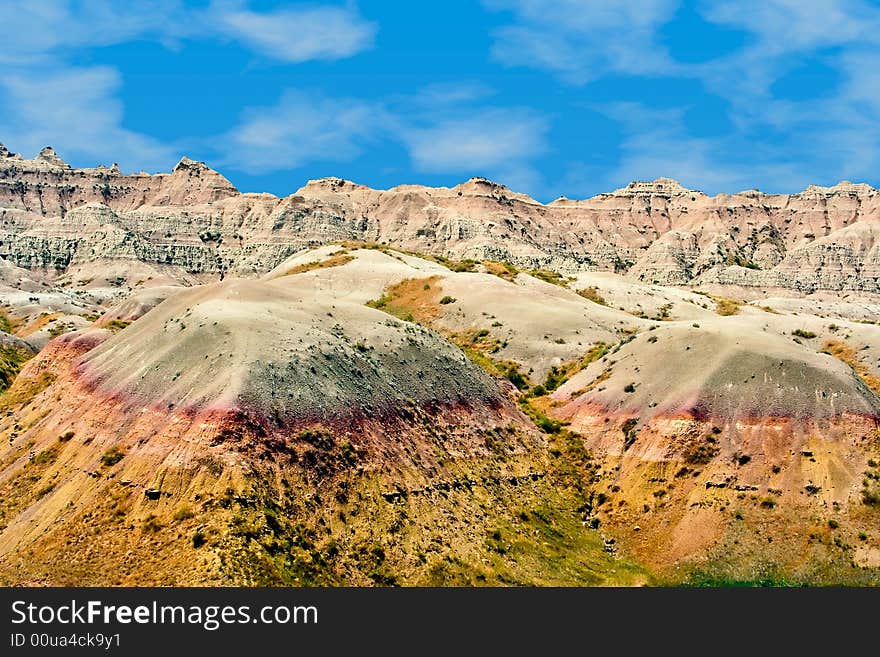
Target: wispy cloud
[77,111]
[584,40]
[774,141]
[46,99]
[501,143]
[298,35]
[457,134]
[785,26]
[36,29]
[299,129]
[658,143]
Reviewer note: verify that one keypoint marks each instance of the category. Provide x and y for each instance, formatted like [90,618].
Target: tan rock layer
[193,218]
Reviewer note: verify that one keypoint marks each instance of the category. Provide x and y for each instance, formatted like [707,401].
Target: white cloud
[495,142]
[785,26]
[446,94]
[77,112]
[456,136]
[38,28]
[46,100]
[298,35]
[302,128]
[657,143]
[584,39]
[821,139]
[34,29]
[775,142]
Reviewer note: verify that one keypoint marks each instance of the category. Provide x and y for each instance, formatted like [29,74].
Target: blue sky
[562,97]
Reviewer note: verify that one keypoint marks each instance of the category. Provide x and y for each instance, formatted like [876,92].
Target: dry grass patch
[503,270]
[335,260]
[419,299]
[843,352]
[412,300]
[23,390]
[479,345]
[723,305]
[591,293]
[116,325]
[726,307]
[38,323]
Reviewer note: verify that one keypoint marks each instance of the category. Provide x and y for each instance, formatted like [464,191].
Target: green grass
[112,456]
[11,361]
[549,276]
[5,325]
[117,325]
[706,580]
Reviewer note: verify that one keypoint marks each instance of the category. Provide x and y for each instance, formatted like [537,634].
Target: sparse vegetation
[663,312]
[630,432]
[801,333]
[112,456]
[335,260]
[466,265]
[410,300]
[701,451]
[726,307]
[46,457]
[559,374]
[843,352]
[11,361]
[40,322]
[116,325]
[151,524]
[183,513]
[591,293]
[8,322]
[512,374]
[447,300]
[549,276]
[871,492]
[503,270]
[45,490]
[5,324]
[59,328]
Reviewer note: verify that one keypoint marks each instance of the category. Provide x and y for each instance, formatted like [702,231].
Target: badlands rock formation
[193,220]
[434,386]
[282,431]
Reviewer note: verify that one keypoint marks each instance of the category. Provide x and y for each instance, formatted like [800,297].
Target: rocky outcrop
[48,186]
[52,216]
